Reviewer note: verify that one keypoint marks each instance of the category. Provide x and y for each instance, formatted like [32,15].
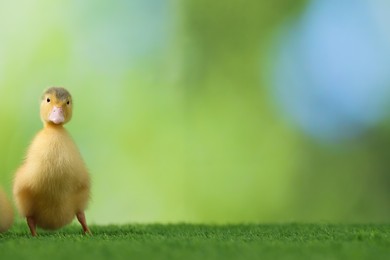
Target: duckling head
[56,106]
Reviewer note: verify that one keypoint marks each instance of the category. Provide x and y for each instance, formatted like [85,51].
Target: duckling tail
[6,212]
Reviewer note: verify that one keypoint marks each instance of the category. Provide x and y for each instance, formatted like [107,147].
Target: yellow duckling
[53,186]
[6,212]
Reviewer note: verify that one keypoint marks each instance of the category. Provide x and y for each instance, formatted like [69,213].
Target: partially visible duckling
[6,212]
[53,186]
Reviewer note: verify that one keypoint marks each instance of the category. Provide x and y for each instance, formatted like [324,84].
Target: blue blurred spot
[332,68]
[115,35]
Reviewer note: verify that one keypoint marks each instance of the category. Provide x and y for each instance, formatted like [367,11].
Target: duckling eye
[68,103]
[48,100]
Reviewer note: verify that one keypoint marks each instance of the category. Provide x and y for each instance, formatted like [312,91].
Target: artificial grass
[184,241]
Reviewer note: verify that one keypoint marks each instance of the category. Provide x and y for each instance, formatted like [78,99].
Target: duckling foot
[81,218]
[31,224]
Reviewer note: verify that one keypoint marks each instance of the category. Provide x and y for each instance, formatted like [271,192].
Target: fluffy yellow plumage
[53,185]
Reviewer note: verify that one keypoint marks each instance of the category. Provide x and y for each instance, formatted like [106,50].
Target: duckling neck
[52,126]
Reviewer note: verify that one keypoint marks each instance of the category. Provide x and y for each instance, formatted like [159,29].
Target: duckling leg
[31,224]
[81,218]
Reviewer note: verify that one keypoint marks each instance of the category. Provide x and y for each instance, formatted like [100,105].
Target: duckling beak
[57,115]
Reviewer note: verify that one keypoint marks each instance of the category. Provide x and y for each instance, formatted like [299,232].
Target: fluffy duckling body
[6,212]
[53,185]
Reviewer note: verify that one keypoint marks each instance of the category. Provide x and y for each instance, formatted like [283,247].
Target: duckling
[52,186]
[6,212]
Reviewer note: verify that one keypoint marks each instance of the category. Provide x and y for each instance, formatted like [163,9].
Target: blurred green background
[209,111]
